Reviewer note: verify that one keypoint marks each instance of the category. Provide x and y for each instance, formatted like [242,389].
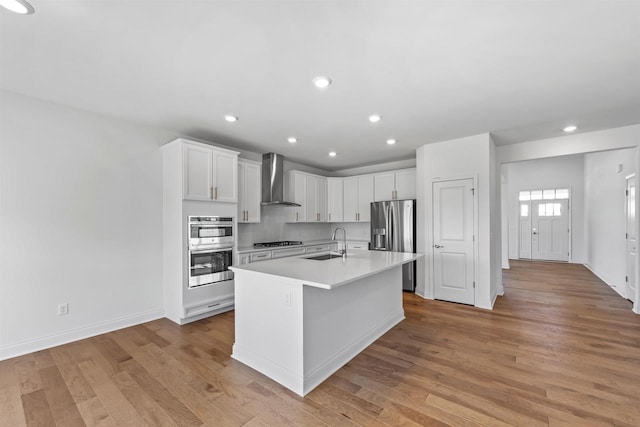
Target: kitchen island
[298,320]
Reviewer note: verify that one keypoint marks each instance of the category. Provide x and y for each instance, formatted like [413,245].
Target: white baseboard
[607,282]
[338,360]
[41,343]
[300,384]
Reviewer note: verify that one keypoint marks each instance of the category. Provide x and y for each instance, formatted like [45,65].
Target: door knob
[535,232]
[438,246]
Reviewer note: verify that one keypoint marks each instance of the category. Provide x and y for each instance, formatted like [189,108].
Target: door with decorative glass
[544,224]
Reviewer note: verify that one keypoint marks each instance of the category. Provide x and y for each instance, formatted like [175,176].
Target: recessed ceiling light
[570,128]
[230,118]
[322,82]
[292,140]
[391,141]
[332,153]
[17,6]
[374,118]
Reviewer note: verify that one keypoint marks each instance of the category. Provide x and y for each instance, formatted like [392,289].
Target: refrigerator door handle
[390,230]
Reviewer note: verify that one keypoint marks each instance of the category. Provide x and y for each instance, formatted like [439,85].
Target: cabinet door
[321,198]
[384,184]
[299,196]
[334,199]
[242,193]
[406,184]
[198,173]
[365,197]
[226,177]
[311,200]
[253,191]
[350,199]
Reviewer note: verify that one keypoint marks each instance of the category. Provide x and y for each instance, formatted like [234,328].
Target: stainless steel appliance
[393,228]
[211,240]
[276,244]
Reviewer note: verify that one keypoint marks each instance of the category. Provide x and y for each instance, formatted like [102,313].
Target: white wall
[605,220]
[554,172]
[464,157]
[80,220]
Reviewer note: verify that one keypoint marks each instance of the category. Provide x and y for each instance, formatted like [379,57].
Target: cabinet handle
[215,192]
[296,216]
[358,217]
[329,216]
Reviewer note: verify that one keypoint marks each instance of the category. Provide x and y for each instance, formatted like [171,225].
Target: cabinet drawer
[318,248]
[282,253]
[358,245]
[244,259]
[222,303]
[260,256]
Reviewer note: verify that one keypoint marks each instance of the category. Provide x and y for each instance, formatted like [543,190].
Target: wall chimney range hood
[273,180]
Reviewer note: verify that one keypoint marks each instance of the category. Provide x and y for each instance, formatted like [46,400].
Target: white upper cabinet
[334,200]
[310,192]
[209,173]
[357,197]
[249,190]
[399,184]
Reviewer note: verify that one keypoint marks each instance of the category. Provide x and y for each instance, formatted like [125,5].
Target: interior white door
[453,219]
[632,238]
[550,230]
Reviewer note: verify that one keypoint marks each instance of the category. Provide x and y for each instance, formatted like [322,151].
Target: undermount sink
[324,257]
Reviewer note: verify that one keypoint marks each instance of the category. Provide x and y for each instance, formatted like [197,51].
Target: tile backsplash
[273,227]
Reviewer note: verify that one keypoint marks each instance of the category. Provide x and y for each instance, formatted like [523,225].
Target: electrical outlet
[63,309]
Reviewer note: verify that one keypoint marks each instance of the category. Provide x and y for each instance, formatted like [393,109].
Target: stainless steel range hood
[273,180]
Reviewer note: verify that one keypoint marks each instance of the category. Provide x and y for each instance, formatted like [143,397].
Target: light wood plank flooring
[561,348]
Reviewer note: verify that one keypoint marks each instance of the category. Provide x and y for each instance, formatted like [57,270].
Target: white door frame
[476,210]
[569,224]
[627,290]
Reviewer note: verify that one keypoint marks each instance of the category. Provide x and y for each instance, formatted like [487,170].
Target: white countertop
[329,274]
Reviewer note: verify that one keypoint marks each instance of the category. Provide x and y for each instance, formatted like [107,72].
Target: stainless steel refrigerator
[393,228]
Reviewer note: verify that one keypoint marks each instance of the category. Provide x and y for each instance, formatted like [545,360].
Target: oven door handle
[201,266]
[204,251]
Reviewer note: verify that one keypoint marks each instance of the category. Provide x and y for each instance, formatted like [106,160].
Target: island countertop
[331,273]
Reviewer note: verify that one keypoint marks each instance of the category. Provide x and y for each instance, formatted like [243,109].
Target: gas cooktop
[274,244]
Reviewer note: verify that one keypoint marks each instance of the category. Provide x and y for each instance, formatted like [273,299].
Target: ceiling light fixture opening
[570,128]
[292,140]
[332,153]
[375,118]
[230,118]
[18,6]
[322,82]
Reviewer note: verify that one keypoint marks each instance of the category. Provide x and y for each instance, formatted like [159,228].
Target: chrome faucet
[343,251]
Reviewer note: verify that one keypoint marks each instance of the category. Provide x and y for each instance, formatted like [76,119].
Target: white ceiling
[521,70]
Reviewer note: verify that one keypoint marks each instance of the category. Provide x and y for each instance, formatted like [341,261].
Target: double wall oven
[211,240]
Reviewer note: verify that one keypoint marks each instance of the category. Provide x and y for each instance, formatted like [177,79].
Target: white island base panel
[300,335]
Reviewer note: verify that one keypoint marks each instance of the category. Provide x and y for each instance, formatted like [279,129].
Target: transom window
[549,194]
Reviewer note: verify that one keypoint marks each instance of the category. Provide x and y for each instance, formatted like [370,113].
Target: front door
[453,228]
[632,237]
[550,230]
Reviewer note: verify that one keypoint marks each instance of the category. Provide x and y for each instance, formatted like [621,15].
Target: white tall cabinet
[393,185]
[190,173]
[249,190]
[357,196]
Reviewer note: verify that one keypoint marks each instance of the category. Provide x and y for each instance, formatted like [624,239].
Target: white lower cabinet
[283,253]
[260,256]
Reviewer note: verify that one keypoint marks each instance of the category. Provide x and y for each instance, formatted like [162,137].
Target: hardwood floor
[560,348]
